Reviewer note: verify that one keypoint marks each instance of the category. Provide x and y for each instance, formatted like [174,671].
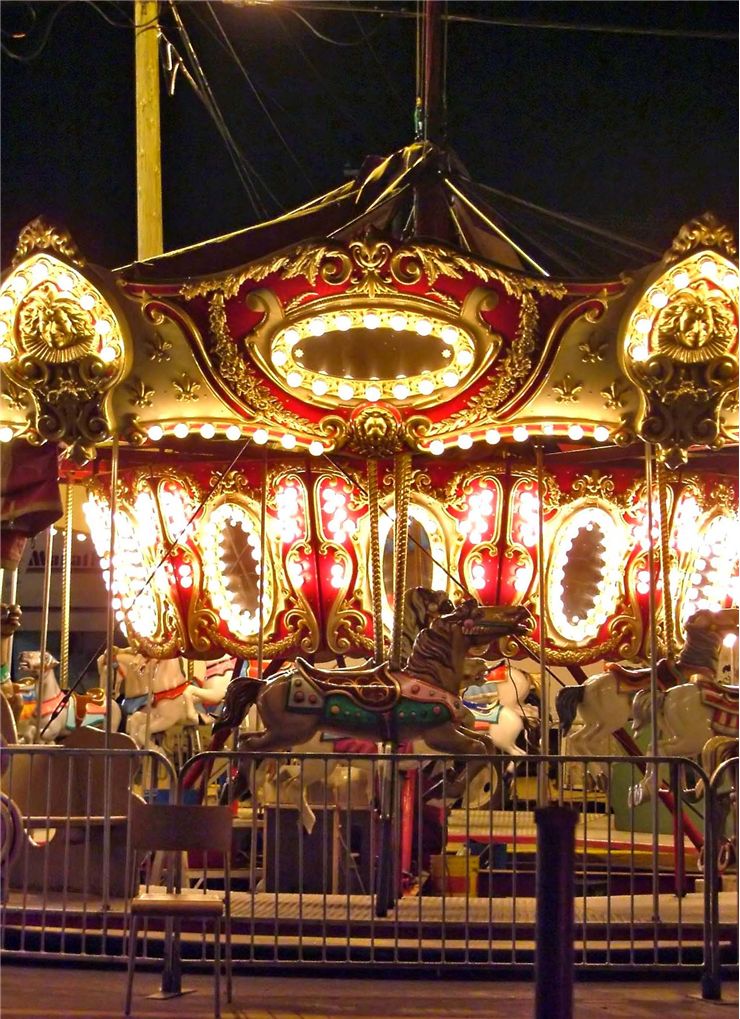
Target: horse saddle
[632,680]
[718,695]
[373,689]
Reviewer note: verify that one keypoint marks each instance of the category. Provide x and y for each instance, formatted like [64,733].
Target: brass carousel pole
[45,600]
[401,547]
[542,785]
[66,591]
[376,579]
[649,485]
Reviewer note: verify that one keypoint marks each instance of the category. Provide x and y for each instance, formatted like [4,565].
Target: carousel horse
[208,692]
[422,699]
[604,703]
[421,606]
[506,712]
[690,714]
[81,709]
[140,678]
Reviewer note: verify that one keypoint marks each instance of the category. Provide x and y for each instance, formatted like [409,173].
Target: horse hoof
[635,796]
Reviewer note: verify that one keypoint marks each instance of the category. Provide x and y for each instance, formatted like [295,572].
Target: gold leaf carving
[615,394]
[567,390]
[53,327]
[594,484]
[158,349]
[38,235]
[703,232]
[13,395]
[185,387]
[593,350]
[141,394]
[697,325]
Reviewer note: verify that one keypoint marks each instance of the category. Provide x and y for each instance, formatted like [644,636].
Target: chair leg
[132,931]
[217,970]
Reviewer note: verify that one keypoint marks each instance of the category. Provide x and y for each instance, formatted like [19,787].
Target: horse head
[704,632]
[129,671]
[721,621]
[441,649]
[29,663]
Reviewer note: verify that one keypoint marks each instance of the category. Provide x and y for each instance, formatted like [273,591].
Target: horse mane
[432,653]
[700,653]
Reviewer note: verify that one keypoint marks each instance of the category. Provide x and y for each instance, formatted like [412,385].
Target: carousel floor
[55,992]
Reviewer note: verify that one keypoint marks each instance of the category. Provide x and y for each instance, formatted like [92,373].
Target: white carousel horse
[80,709]
[212,680]
[603,703]
[499,702]
[689,716]
[164,680]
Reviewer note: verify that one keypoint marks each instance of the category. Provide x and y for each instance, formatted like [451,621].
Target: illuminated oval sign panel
[232,567]
[585,573]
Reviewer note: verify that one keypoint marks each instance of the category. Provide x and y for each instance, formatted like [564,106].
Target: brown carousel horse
[420,700]
[390,706]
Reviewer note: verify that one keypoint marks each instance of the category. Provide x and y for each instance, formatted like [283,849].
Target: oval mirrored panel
[585,572]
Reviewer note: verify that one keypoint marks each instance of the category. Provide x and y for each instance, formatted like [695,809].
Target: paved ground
[64,992]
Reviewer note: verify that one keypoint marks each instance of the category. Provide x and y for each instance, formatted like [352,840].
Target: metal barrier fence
[405,860]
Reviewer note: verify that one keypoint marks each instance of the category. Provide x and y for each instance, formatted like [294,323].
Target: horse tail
[241,694]
[642,709]
[566,705]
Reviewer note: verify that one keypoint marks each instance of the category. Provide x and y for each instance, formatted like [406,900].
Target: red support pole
[408,796]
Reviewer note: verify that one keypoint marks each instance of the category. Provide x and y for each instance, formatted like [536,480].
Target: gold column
[401,543]
[376,578]
[66,591]
[148,143]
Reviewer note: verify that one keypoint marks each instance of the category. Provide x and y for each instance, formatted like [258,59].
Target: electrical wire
[573,221]
[384,11]
[245,170]
[320,35]
[258,97]
[326,85]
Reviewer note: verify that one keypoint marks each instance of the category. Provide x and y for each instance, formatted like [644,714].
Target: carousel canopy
[246,380]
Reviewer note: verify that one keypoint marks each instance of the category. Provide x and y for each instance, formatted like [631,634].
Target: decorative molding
[703,233]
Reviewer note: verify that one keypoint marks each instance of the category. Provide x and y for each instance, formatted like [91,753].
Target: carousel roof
[391,313]
[421,191]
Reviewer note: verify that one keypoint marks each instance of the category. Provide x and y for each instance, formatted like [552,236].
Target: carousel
[302,446]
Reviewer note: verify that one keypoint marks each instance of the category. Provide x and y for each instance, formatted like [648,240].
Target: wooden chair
[175,830]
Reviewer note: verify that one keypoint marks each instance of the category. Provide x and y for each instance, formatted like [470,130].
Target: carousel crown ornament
[65,342]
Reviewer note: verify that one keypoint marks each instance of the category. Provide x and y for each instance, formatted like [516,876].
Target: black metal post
[554,931]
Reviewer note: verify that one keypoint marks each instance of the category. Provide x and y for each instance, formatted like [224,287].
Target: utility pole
[148,144]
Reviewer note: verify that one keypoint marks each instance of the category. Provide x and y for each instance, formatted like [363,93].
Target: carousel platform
[619,931]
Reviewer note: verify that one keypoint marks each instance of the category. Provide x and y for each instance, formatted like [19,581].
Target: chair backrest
[178,828]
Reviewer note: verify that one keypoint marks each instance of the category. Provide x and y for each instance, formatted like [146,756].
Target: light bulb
[207,430]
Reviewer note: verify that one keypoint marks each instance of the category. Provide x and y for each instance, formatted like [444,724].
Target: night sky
[635,133]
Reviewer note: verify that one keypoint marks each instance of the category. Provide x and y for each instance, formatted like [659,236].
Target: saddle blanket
[723,702]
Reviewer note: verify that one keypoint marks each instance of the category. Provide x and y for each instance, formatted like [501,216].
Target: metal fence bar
[309,896]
